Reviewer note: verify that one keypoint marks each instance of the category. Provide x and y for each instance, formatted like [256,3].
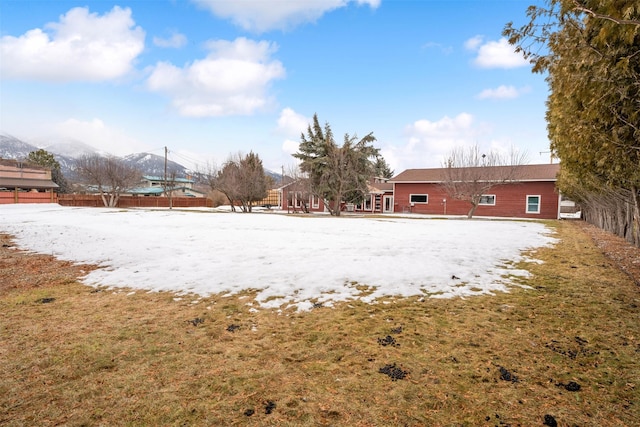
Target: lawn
[562,350]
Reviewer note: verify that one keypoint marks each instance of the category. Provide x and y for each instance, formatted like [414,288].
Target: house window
[419,198]
[367,202]
[297,199]
[533,204]
[315,202]
[487,200]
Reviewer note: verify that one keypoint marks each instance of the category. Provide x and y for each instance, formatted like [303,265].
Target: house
[22,182]
[294,197]
[379,198]
[155,186]
[532,194]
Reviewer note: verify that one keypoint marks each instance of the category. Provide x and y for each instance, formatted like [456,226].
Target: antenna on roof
[550,157]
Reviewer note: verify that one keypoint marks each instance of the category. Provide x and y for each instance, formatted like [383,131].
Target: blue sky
[211,78]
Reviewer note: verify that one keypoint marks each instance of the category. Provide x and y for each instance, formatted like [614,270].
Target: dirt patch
[22,270]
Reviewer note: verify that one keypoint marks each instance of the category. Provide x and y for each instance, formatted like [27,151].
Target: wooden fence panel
[11,197]
[91,200]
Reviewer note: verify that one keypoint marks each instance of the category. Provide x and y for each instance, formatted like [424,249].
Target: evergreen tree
[591,52]
[45,159]
[336,174]
[382,168]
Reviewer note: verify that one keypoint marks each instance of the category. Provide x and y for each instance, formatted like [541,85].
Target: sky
[212,78]
[292,261]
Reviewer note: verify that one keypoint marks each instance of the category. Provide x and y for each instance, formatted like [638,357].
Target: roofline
[513,181]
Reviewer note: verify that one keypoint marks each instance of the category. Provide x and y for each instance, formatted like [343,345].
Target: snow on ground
[290,259]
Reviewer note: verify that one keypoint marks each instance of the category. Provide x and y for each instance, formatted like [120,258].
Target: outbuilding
[530,193]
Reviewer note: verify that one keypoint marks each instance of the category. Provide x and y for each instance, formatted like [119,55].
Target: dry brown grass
[138,359]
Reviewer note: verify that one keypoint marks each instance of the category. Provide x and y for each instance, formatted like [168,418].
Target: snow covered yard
[291,260]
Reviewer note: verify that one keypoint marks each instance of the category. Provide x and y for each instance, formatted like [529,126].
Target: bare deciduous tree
[299,191]
[241,179]
[469,174]
[227,180]
[169,185]
[111,176]
[208,175]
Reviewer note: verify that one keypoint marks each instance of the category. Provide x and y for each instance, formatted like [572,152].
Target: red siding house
[532,195]
[379,198]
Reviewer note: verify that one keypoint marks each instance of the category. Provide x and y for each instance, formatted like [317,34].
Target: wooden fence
[11,197]
[90,200]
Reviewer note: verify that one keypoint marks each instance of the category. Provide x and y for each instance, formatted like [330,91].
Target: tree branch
[593,14]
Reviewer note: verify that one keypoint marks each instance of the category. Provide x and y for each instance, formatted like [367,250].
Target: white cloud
[232,79]
[291,123]
[81,46]
[473,43]
[260,16]
[446,50]
[430,141]
[503,92]
[97,134]
[495,54]
[176,40]
[290,146]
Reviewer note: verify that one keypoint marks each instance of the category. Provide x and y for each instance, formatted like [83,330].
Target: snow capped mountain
[152,164]
[71,148]
[13,148]
[66,153]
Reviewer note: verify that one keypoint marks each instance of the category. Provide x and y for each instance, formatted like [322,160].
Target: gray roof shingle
[546,172]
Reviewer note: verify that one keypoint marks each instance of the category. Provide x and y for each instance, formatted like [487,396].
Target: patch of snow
[288,260]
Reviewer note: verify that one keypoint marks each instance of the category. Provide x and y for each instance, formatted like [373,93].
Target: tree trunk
[336,208]
[474,206]
[635,225]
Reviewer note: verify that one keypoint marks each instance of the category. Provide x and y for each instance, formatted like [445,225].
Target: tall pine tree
[336,174]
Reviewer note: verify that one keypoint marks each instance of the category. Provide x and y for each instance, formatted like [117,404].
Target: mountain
[67,152]
[152,164]
[72,149]
[13,148]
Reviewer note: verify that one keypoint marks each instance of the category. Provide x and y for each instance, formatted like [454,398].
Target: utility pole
[166,151]
[165,168]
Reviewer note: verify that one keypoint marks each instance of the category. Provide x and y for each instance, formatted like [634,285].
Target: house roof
[159,190]
[26,183]
[380,187]
[169,179]
[546,172]
[21,164]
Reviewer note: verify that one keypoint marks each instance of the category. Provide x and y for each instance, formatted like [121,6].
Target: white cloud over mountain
[260,16]
[97,133]
[80,46]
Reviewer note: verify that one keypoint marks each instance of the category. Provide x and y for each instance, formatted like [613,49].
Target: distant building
[22,182]
[155,186]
